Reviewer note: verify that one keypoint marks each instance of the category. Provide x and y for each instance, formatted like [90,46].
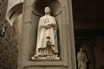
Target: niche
[38,11]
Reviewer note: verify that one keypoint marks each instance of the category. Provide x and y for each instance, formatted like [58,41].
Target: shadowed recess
[39,5]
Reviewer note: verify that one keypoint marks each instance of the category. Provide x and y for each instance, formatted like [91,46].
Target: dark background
[88,16]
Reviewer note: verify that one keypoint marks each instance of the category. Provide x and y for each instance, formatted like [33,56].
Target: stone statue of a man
[82,59]
[47,37]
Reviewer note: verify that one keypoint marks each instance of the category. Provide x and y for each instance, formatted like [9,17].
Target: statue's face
[47,10]
[81,49]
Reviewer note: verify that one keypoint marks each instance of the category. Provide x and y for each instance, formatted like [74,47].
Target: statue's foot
[55,57]
[34,57]
[48,57]
[58,58]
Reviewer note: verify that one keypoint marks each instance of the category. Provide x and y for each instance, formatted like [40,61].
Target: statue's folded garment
[47,28]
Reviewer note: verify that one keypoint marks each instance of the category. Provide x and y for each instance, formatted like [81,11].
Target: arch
[39,5]
[13,13]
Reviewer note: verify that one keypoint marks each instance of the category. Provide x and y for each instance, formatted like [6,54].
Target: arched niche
[39,5]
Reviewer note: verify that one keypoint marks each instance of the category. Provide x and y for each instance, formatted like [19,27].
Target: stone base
[45,58]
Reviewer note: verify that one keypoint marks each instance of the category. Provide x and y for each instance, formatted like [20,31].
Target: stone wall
[8,50]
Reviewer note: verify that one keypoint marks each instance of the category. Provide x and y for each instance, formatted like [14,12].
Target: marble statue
[82,59]
[47,46]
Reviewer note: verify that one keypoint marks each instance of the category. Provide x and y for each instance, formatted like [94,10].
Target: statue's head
[81,49]
[47,10]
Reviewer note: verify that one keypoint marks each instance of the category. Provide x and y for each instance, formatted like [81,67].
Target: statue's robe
[82,60]
[43,33]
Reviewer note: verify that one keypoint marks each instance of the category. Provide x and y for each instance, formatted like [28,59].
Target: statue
[47,46]
[82,59]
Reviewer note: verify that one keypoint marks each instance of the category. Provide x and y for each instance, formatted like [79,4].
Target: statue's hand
[47,26]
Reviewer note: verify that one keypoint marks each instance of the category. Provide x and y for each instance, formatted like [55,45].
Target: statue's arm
[41,23]
[78,60]
[45,26]
[86,58]
[78,56]
[53,23]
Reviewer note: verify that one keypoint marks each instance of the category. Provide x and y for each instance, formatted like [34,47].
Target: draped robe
[43,33]
[82,60]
